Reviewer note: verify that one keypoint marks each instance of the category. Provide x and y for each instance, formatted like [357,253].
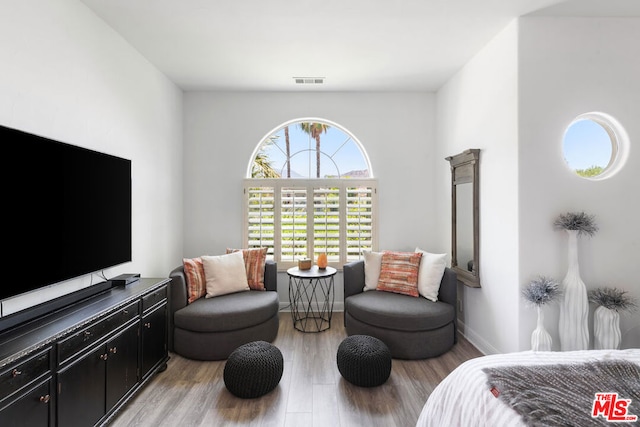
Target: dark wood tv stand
[80,364]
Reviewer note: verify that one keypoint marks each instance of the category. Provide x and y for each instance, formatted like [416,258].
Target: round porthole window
[594,146]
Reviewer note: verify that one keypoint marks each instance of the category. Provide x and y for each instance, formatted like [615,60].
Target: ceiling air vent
[309,80]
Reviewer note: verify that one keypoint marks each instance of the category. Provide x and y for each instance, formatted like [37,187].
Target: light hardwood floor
[311,392]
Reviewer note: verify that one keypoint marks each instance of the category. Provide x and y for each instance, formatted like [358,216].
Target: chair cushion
[399,312]
[254,262]
[227,312]
[372,264]
[224,274]
[194,275]
[430,274]
[399,272]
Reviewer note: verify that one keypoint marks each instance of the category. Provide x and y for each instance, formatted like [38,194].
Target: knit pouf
[253,369]
[364,360]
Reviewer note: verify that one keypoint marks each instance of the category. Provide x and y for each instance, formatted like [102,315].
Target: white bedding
[463,398]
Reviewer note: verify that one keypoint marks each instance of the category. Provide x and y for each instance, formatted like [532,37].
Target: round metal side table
[311,296]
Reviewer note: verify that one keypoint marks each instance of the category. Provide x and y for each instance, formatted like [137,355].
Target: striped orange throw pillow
[196,283]
[399,272]
[254,261]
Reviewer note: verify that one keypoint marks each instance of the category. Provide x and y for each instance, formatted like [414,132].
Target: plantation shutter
[260,218]
[298,219]
[359,221]
[326,222]
[293,223]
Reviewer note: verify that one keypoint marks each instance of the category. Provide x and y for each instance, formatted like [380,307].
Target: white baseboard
[475,339]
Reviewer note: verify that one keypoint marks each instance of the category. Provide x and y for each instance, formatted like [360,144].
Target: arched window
[309,190]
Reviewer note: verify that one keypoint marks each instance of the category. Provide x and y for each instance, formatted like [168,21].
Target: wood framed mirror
[465,216]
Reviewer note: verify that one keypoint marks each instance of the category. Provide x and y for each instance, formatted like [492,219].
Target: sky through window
[340,156]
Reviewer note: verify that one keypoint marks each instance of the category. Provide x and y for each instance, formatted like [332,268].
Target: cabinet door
[81,390]
[30,408]
[122,364]
[154,338]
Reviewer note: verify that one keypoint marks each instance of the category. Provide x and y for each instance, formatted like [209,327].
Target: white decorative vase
[540,338]
[606,329]
[574,308]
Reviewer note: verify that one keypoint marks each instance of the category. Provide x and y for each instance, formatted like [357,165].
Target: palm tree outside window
[310,190]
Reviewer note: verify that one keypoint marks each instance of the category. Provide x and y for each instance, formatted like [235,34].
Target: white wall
[222,129]
[570,66]
[67,76]
[477,108]
[514,100]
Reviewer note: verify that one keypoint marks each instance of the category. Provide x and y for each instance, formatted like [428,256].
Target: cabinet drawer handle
[15,373]
[45,398]
[104,356]
[113,350]
[147,325]
[125,311]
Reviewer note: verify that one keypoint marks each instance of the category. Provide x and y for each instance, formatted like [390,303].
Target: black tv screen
[67,211]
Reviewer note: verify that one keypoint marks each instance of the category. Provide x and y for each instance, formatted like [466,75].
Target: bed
[539,389]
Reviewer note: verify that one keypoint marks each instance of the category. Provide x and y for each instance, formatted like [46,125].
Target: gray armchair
[211,328]
[412,328]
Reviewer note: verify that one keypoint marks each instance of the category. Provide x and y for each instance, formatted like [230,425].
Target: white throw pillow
[372,265]
[430,274]
[225,274]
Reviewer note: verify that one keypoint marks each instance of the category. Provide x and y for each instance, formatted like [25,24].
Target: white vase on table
[606,329]
[574,308]
[540,338]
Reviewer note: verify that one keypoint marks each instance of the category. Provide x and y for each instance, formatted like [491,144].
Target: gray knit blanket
[563,394]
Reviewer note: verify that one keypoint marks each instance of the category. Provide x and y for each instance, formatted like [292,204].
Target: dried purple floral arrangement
[541,290]
[612,298]
[579,221]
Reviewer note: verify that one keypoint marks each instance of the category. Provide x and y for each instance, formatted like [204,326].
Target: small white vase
[606,329]
[540,338]
[574,308]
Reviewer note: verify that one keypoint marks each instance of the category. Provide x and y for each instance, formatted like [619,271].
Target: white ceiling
[356,45]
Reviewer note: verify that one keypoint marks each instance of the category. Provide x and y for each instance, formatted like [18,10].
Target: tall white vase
[574,308]
[606,329]
[540,338]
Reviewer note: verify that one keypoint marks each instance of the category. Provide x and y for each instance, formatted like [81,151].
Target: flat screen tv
[67,211]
